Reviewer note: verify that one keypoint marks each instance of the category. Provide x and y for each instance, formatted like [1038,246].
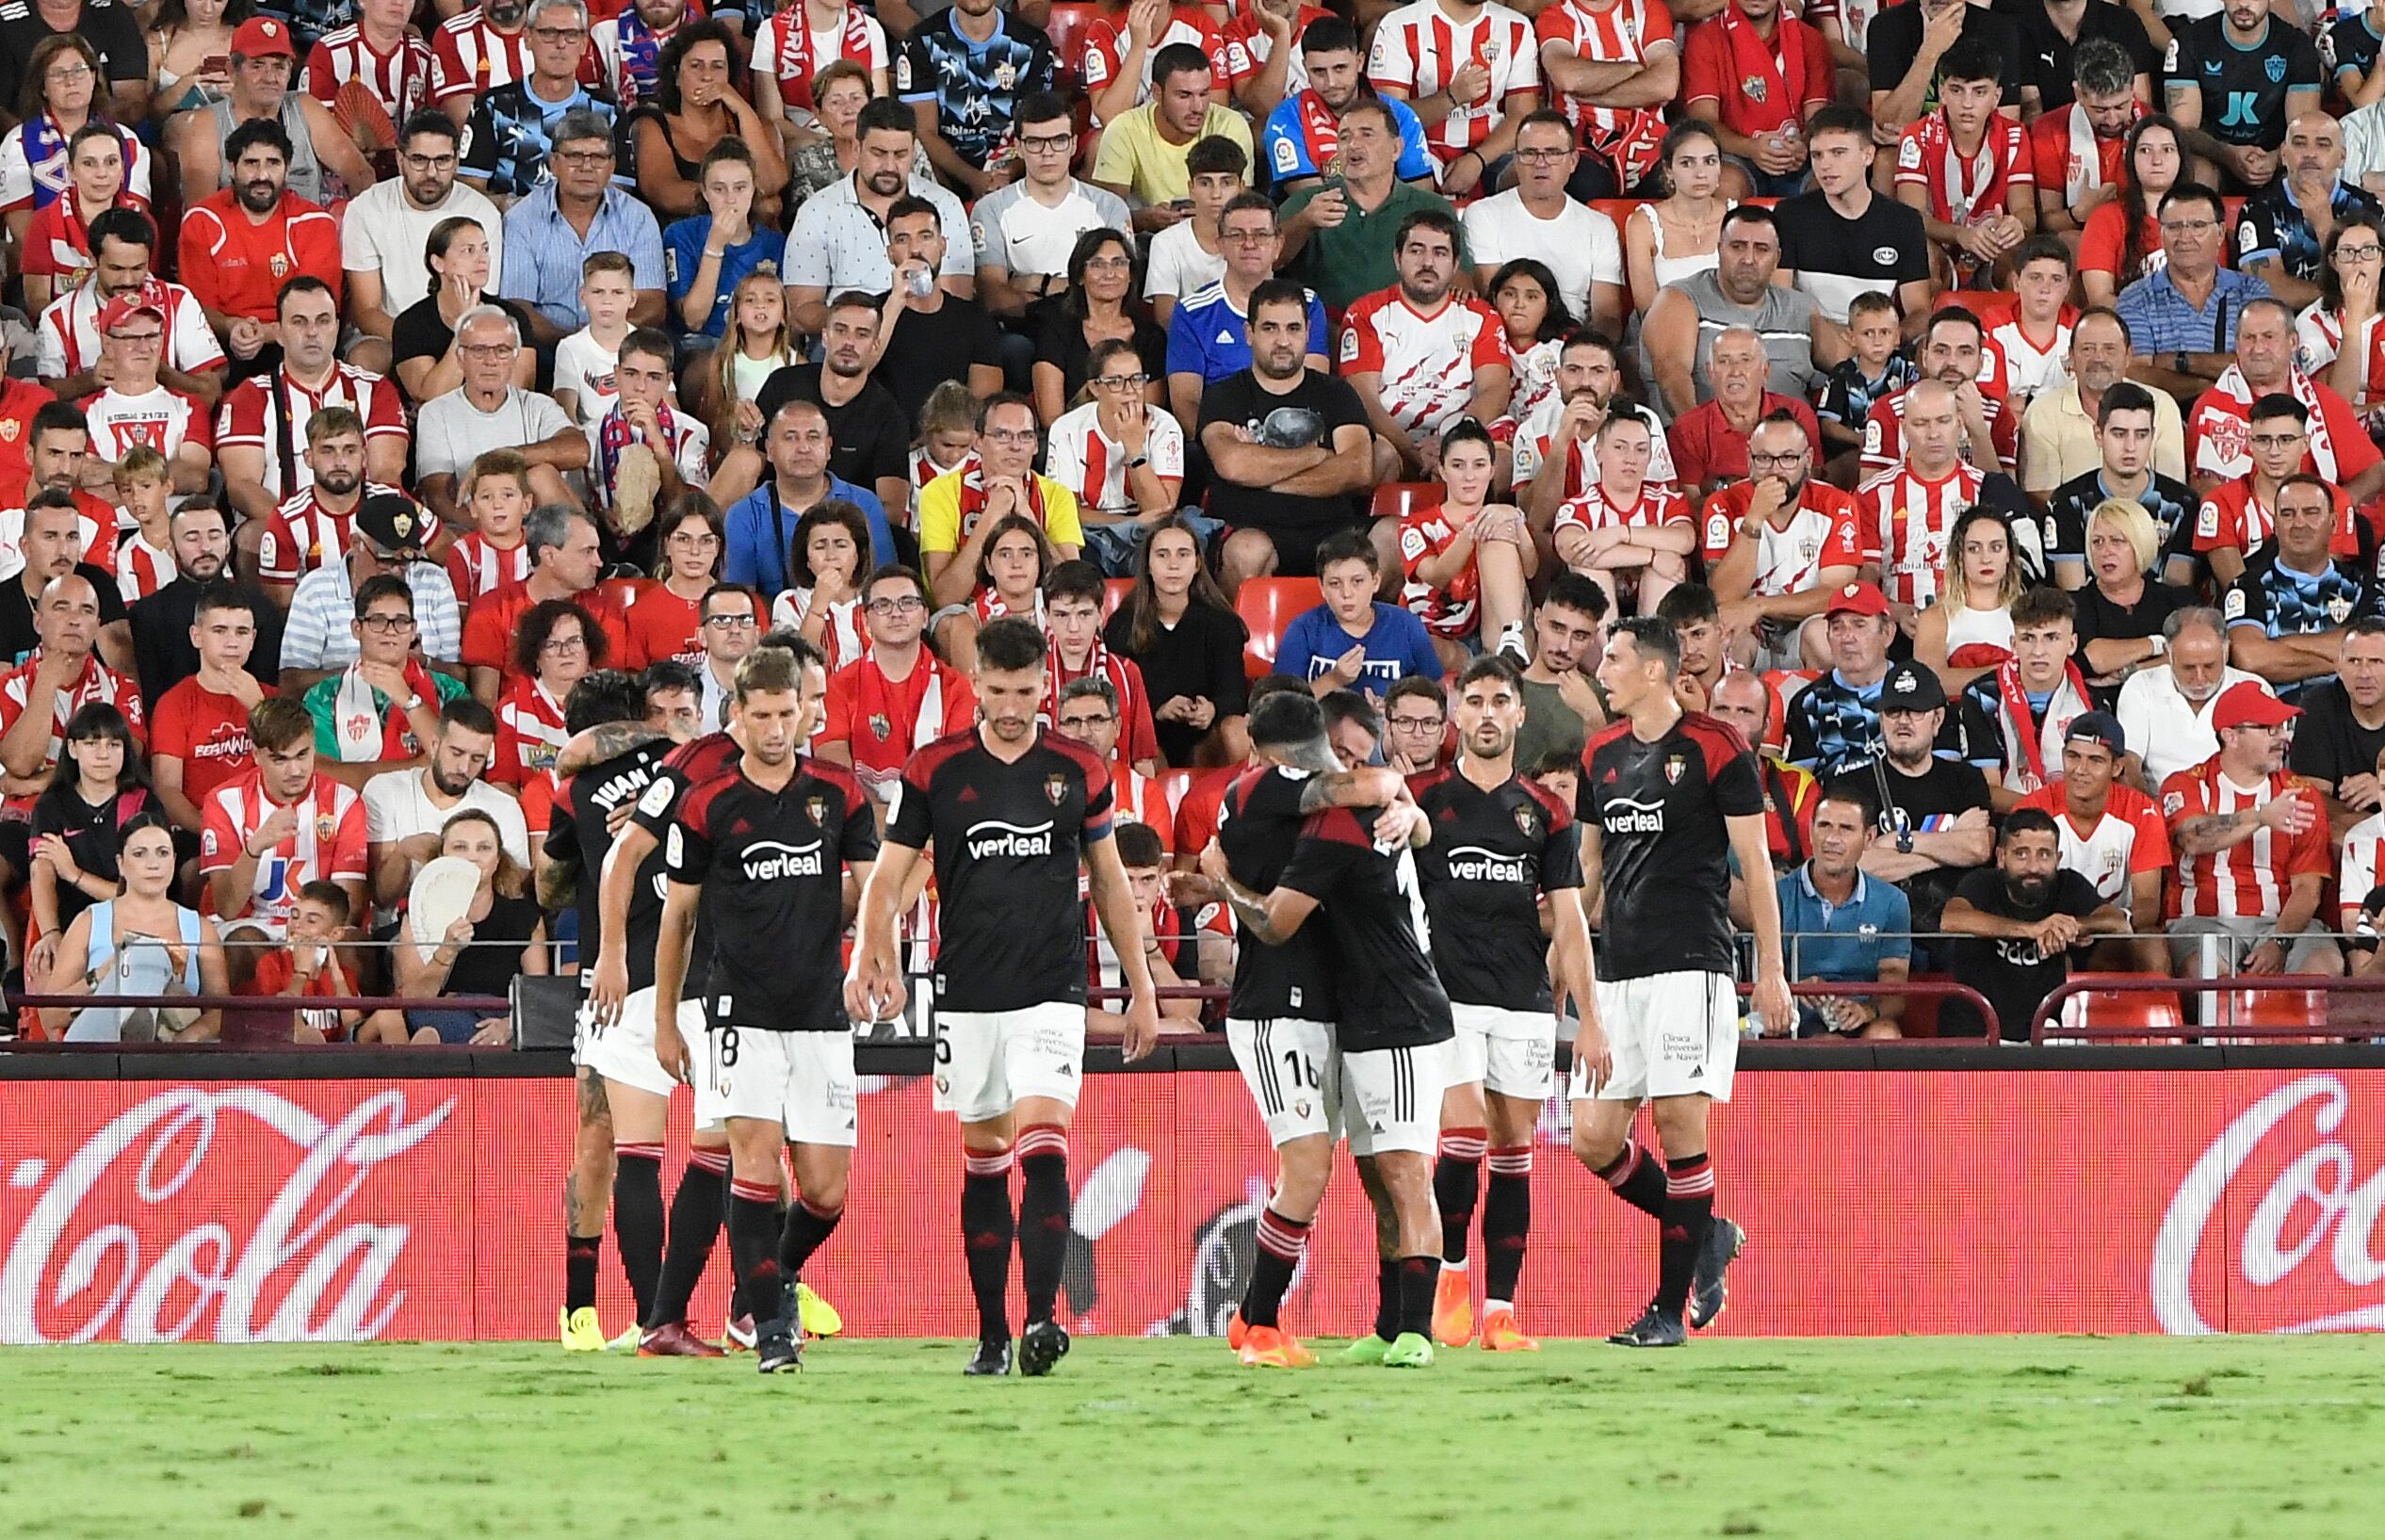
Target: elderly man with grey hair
[576,211]
[2165,708]
[511,132]
[490,411]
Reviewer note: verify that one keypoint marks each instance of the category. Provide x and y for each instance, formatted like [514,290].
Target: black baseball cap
[395,526]
[1911,688]
[2097,727]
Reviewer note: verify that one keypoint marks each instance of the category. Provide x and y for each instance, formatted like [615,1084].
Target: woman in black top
[422,339]
[1103,300]
[1176,626]
[97,788]
[2120,610]
[500,935]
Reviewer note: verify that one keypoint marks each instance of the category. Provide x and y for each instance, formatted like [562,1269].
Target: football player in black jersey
[1280,1022]
[1011,811]
[766,846]
[1668,795]
[1393,1030]
[1502,847]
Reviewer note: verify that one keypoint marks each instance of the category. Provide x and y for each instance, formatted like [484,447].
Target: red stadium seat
[1114,593]
[1783,684]
[1066,29]
[2155,1015]
[1618,209]
[2275,1008]
[1395,499]
[1267,605]
[624,591]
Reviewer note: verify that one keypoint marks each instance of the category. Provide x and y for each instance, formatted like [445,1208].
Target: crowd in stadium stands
[1989,393]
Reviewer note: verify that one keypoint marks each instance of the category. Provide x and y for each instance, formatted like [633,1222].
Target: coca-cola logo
[2317,1199]
[297,1275]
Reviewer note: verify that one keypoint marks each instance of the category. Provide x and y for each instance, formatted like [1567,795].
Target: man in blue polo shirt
[1843,927]
[759,529]
[2181,317]
[1208,337]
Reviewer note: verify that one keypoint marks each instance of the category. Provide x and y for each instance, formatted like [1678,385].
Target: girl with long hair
[2336,334]
[190,54]
[96,789]
[64,88]
[2122,241]
[1011,571]
[1181,630]
[697,105]
[664,619]
[1968,631]
[826,564]
[1682,233]
[1102,302]
[499,936]
[1524,292]
[137,941]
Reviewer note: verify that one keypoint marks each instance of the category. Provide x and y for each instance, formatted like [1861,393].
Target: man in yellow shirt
[1142,153]
[959,510]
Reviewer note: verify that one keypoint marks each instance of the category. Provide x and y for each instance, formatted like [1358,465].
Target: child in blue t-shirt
[1351,642]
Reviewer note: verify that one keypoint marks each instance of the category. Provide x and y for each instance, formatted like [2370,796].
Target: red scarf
[2024,739]
[1322,129]
[1769,76]
[615,434]
[795,66]
[1056,675]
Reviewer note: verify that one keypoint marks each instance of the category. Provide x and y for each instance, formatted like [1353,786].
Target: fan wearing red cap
[1835,721]
[265,54]
[2252,840]
[136,408]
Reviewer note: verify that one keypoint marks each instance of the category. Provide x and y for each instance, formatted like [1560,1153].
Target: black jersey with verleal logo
[1492,855]
[1390,997]
[1259,820]
[697,760]
[1009,837]
[579,832]
[772,868]
[1664,849]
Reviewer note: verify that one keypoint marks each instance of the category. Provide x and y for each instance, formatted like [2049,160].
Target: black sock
[1457,1179]
[1688,1209]
[807,1230]
[1043,1215]
[1280,1241]
[986,1230]
[1386,1297]
[1506,1220]
[1417,1278]
[754,1236]
[580,1270]
[1636,1180]
[637,1220]
[696,1225]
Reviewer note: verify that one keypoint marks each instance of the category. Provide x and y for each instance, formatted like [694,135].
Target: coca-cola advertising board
[1884,1202]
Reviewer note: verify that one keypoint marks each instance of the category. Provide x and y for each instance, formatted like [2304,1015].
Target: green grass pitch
[2080,1439]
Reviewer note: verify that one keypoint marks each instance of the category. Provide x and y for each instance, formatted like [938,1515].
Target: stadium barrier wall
[261,1198]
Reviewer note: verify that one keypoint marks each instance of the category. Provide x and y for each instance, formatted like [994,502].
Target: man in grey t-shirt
[1687,317]
[488,412]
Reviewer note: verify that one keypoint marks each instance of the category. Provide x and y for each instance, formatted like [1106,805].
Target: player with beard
[1011,811]
[1391,1034]
[1501,847]
[1667,797]
[765,846]
[696,1207]
[1279,1021]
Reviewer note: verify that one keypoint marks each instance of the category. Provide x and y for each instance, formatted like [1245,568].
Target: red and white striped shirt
[398,79]
[1884,434]
[95,683]
[2248,879]
[57,244]
[843,636]
[1249,47]
[2020,366]
[2357,876]
[1141,799]
[1965,189]
[328,844]
[2233,518]
[251,417]
[141,569]
[470,56]
[302,535]
[1080,458]
[1138,738]
[1821,533]
[70,341]
[921,468]
[1450,609]
[530,733]
[1903,522]
[2219,430]
[790,49]
[1417,48]
[476,567]
[1427,362]
[98,522]
[1657,505]
[1103,53]
[163,419]
[1623,32]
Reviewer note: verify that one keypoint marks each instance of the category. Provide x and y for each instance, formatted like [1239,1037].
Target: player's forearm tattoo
[557,885]
[1327,786]
[1315,755]
[608,740]
[1252,911]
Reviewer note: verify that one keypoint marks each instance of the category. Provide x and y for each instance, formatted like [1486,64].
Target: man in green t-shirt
[383,708]
[1339,235]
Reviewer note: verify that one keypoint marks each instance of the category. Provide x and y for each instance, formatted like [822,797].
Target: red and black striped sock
[807,1230]
[1041,1151]
[1636,1179]
[1506,1221]
[986,1230]
[695,1225]
[1688,1209]
[637,1219]
[754,1239]
[1457,1183]
[1280,1242]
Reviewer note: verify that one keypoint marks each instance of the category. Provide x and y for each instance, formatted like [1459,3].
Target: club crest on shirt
[325,826]
[2337,610]
[2276,65]
[1753,86]
[1527,820]
[9,428]
[880,724]
[816,809]
[1674,764]
[1056,789]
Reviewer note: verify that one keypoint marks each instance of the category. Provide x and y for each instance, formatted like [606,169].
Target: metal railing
[2051,1025]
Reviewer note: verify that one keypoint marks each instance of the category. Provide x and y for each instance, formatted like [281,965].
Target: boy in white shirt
[1186,257]
[145,562]
[585,361]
